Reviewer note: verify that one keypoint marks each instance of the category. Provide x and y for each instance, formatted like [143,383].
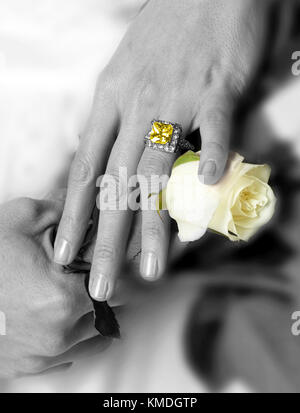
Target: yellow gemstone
[161,133]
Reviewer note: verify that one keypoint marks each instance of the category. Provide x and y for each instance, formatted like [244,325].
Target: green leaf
[161,202]
[189,156]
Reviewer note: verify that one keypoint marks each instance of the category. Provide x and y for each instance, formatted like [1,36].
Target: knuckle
[236,83]
[212,74]
[153,232]
[113,173]
[68,223]
[216,116]
[153,164]
[29,214]
[105,252]
[216,147]
[106,81]
[144,90]
[146,168]
[29,207]
[82,173]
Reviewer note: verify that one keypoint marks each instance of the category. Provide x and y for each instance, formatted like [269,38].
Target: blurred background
[221,319]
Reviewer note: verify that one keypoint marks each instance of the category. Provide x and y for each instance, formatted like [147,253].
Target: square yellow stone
[161,133]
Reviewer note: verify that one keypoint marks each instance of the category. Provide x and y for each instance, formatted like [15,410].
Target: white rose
[236,207]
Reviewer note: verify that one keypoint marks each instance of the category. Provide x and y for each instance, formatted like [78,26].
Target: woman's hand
[48,314]
[180,61]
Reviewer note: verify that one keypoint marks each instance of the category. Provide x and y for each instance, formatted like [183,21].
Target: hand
[49,319]
[180,61]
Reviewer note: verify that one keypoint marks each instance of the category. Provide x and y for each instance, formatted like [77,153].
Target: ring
[167,137]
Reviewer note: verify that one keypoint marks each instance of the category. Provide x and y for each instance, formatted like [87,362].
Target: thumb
[215,127]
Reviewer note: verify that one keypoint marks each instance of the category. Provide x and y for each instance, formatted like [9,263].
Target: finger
[123,292]
[215,127]
[114,225]
[34,216]
[134,248]
[82,350]
[81,195]
[154,169]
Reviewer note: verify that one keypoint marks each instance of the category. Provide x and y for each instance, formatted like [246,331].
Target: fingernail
[149,266]
[209,168]
[62,252]
[99,288]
